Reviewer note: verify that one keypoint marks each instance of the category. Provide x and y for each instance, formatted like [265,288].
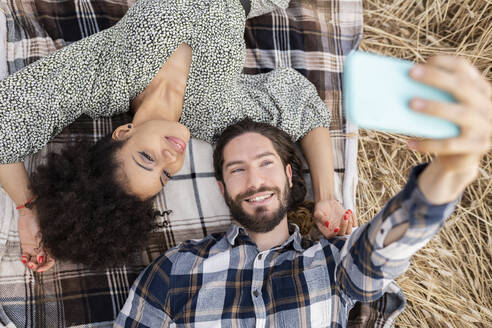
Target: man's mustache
[251,192]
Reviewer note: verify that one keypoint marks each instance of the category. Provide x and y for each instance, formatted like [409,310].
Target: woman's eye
[146,156]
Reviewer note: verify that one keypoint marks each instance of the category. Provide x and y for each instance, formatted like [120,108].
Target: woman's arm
[15,181]
[316,146]
[331,218]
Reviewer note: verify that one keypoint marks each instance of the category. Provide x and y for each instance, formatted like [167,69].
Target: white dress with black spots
[101,74]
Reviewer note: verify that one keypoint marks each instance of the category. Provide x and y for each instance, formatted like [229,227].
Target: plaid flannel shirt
[224,280]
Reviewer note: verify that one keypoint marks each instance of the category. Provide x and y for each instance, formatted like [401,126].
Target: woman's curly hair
[300,211]
[85,215]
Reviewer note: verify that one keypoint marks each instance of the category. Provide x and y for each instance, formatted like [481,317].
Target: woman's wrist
[15,181]
[323,186]
[323,193]
[26,205]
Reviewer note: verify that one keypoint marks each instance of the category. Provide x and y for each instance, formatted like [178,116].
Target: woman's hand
[332,219]
[458,158]
[33,255]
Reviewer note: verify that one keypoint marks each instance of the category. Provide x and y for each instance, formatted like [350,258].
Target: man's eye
[266,163]
[146,156]
[237,170]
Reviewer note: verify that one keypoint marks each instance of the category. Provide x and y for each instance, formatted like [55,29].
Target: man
[261,272]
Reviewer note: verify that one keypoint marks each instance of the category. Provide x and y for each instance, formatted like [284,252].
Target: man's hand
[332,219]
[458,158]
[33,255]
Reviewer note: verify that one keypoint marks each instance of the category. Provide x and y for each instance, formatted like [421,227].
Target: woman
[177,65]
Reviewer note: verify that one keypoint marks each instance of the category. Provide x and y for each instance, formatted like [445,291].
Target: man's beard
[260,221]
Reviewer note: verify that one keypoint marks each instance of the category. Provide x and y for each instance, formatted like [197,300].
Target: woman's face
[154,151]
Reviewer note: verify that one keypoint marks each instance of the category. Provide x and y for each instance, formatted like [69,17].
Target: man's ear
[288,172]
[122,132]
[221,187]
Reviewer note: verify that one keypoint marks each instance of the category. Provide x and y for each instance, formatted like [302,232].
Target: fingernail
[412,144]
[24,260]
[418,104]
[336,230]
[40,259]
[418,70]
[31,265]
[345,217]
[349,211]
[327,224]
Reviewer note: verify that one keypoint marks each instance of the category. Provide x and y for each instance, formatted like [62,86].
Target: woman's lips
[178,144]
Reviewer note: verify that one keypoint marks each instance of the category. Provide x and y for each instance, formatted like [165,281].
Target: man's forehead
[247,146]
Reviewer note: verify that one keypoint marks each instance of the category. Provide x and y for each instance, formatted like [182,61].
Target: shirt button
[256,293]
[260,256]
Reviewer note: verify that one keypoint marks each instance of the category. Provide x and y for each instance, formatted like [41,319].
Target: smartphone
[376,95]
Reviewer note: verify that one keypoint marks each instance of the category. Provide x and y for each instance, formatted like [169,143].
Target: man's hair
[300,210]
[85,213]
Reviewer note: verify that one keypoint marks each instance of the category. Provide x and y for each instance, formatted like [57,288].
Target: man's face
[256,184]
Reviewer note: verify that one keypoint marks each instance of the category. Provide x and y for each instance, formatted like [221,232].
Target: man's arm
[458,159]
[381,250]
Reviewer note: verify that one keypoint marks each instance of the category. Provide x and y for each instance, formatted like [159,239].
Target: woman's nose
[169,157]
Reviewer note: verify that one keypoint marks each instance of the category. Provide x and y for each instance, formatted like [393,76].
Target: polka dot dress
[101,74]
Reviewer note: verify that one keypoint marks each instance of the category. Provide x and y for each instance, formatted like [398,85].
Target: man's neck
[271,239]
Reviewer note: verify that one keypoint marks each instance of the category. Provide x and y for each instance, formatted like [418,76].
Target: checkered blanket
[311,36]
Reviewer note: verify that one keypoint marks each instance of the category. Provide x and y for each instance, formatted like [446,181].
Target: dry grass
[449,283]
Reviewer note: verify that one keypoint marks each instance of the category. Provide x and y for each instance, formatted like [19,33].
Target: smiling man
[263,273]
[258,186]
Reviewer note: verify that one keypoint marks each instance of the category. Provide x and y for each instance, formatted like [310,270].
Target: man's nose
[255,179]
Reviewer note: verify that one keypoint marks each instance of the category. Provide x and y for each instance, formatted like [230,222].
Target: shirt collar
[236,232]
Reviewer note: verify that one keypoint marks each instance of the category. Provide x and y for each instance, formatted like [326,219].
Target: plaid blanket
[312,36]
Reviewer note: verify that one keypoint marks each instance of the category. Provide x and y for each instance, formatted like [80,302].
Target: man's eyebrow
[143,167]
[265,154]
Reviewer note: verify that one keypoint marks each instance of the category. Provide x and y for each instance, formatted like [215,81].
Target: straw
[449,282]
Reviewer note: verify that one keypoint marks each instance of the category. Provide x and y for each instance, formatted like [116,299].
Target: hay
[449,281]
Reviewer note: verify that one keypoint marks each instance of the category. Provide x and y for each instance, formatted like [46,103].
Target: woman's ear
[122,132]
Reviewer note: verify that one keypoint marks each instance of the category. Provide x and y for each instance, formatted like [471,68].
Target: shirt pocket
[302,298]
